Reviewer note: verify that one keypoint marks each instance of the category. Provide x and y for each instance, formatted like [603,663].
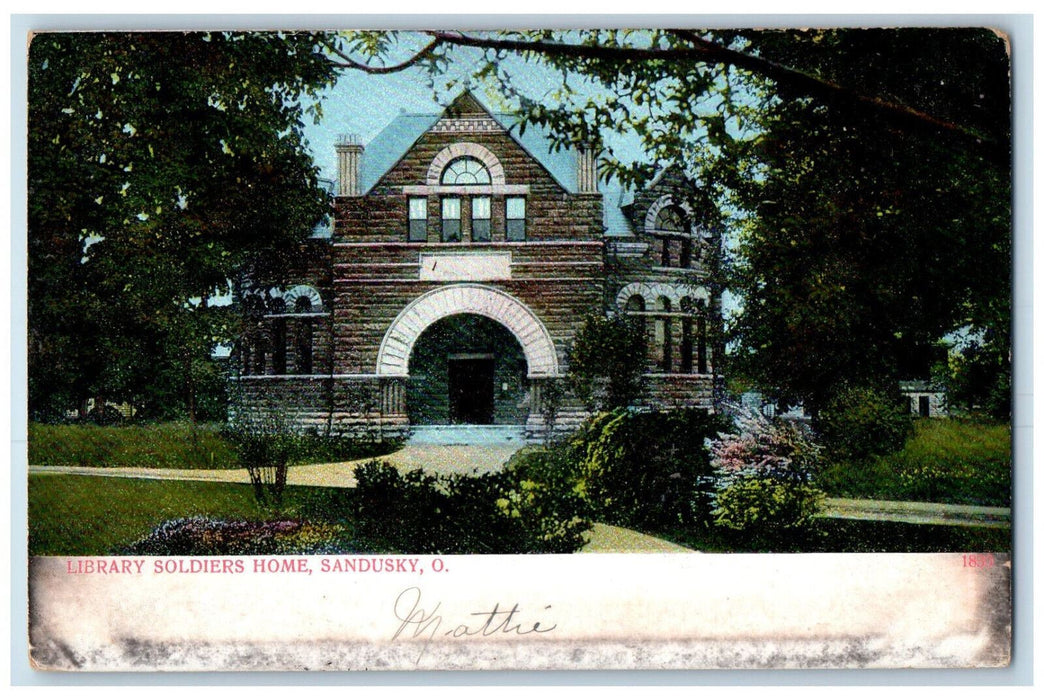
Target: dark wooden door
[471,390]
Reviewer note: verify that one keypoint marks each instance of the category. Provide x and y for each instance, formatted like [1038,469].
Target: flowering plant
[764,474]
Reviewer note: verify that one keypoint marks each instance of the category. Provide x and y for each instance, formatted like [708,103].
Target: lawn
[174,445]
[843,535]
[96,515]
[85,515]
[161,445]
[945,460]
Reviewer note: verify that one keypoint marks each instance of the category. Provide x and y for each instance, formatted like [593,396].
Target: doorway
[471,388]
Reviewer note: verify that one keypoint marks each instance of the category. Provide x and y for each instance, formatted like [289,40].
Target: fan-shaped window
[466,171]
[671,218]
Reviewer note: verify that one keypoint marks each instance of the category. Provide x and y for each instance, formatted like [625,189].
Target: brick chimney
[586,169]
[349,151]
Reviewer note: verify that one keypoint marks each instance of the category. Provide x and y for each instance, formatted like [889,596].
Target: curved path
[444,459]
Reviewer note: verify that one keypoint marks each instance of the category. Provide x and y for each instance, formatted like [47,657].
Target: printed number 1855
[978,561]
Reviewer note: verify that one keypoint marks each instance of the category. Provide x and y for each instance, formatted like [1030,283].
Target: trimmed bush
[607,362]
[265,448]
[516,510]
[648,471]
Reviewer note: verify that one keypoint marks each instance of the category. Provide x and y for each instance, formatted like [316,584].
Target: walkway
[430,452]
[915,512]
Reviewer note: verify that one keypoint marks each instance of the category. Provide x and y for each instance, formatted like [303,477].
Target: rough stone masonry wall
[557,272]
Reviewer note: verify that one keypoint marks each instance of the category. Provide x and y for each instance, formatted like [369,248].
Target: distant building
[462,259]
[926,399]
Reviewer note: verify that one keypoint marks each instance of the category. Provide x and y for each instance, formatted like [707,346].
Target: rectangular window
[480,216]
[418,219]
[516,219]
[451,219]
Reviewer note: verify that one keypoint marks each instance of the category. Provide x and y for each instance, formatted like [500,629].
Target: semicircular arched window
[671,218]
[466,171]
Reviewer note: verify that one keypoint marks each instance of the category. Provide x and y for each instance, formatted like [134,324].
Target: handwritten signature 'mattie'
[415,622]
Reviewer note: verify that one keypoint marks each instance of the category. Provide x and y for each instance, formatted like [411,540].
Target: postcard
[666,348]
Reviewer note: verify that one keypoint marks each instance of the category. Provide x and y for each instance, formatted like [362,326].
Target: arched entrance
[467,370]
[393,358]
[507,366]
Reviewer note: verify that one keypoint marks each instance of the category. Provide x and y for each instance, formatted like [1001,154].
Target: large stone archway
[394,355]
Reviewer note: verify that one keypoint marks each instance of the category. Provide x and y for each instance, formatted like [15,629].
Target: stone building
[462,260]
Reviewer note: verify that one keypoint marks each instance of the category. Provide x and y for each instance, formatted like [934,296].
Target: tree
[606,362]
[160,165]
[867,172]
[870,243]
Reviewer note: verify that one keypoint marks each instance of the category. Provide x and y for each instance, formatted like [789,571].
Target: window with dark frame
[515,215]
[451,219]
[418,232]
[279,346]
[303,337]
[480,219]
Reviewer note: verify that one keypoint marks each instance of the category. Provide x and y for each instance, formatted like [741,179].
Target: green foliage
[867,172]
[513,511]
[765,473]
[648,471]
[862,421]
[265,447]
[552,393]
[151,446]
[978,377]
[159,164]
[606,362]
[945,460]
[767,509]
[868,243]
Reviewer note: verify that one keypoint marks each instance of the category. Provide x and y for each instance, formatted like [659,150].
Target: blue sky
[363,104]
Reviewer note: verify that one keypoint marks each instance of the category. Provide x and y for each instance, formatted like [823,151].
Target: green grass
[945,460]
[97,515]
[92,516]
[840,535]
[152,446]
[174,446]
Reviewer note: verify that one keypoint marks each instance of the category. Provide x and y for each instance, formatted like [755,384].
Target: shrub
[517,510]
[860,422]
[764,479]
[647,470]
[265,447]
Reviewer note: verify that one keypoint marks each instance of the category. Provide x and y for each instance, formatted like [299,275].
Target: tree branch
[349,62]
[812,86]
[701,50]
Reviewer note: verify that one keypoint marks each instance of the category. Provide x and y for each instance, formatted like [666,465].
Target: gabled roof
[385,150]
[391,144]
